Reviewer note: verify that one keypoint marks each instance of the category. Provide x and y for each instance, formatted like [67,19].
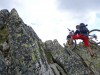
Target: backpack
[83,29]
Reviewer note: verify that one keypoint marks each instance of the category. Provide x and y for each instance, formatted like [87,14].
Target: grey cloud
[8,4]
[79,10]
[5,3]
[79,5]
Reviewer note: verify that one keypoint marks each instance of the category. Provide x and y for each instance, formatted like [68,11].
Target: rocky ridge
[22,52]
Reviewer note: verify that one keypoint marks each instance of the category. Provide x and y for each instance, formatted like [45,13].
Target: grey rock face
[22,52]
[71,61]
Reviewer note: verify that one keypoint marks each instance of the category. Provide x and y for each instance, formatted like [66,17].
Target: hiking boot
[94,56]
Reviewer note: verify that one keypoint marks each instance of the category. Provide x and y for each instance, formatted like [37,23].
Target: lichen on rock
[22,52]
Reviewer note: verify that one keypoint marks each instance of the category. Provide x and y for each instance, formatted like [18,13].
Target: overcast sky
[51,18]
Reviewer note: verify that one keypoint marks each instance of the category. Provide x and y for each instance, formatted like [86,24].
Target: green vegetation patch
[49,57]
[3,35]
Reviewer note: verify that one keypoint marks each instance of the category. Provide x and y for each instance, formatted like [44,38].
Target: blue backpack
[83,29]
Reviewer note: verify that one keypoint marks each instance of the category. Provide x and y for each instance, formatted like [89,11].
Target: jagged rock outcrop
[77,61]
[22,52]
